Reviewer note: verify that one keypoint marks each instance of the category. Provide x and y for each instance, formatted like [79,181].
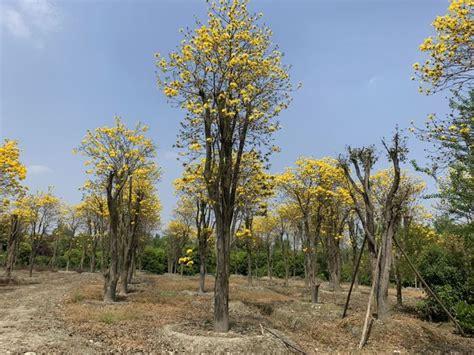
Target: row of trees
[229,79]
[120,208]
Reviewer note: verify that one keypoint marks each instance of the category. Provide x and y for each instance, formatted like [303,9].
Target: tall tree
[230,79]
[115,154]
[363,196]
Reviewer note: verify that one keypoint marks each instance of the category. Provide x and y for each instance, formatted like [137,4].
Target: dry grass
[142,320]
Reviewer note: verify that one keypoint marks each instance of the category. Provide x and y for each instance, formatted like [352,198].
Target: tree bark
[12,245]
[221,288]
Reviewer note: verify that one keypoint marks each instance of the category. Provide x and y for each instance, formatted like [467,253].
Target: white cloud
[30,19]
[373,81]
[171,155]
[15,23]
[38,169]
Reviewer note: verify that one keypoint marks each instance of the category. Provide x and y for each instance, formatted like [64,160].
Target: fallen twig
[287,342]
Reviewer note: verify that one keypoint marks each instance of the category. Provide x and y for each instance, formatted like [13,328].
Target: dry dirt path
[30,314]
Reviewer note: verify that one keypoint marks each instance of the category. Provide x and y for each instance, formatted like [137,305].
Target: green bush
[24,253]
[154,260]
[430,308]
[238,262]
[42,260]
[465,316]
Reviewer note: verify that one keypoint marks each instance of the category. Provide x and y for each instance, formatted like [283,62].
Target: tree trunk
[269,260]
[32,258]
[249,264]
[334,261]
[202,261]
[69,253]
[221,288]
[384,273]
[285,258]
[83,255]
[354,266]
[12,246]
[398,278]
[131,269]
[111,273]
[52,263]
[93,252]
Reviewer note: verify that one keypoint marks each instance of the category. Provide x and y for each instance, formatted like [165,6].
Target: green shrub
[465,316]
[238,262]
[430,308]
[154,260]
[42,260]
[24,253]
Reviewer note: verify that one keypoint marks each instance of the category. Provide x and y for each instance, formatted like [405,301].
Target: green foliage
[440,267]
[24,253]
[465,315]
[42,260]
[154,260]
[238,262]
[445,268]
[430,308]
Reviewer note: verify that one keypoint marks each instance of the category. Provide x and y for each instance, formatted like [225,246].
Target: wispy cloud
[38,169]
[30,19]
[373,81]
[171,155]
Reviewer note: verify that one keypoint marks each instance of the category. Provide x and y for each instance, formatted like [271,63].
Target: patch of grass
[77,297]
[108,317]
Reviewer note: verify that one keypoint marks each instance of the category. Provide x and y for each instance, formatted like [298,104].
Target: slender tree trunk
[93,252]
[83,255]
[249,263]
[269,259]
[312,267]
[52,263]
[32,258]
[111,273]
[202,261]
[132,268]
[384,274]
[354,265]
[284,251]
[334,259]
[69,253]
[257,258]
[294,256]
[221,288]
[12,246]
[398,278]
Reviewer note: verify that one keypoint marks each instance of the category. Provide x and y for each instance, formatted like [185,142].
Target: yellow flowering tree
[114,154]
[450,51]
[229,78]
[192,186]
[140,210]
[40,211]
[289,225]
[309,185]
[179,231]
[94,211]
[12,172]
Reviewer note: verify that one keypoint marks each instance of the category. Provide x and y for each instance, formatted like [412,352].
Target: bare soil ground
[63,312]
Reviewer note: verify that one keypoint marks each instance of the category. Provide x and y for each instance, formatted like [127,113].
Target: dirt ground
[63,312]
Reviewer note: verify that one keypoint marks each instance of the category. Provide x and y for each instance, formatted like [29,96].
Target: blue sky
[69,66]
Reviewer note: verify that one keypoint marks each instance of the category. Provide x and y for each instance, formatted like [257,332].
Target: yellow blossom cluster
[450,51]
